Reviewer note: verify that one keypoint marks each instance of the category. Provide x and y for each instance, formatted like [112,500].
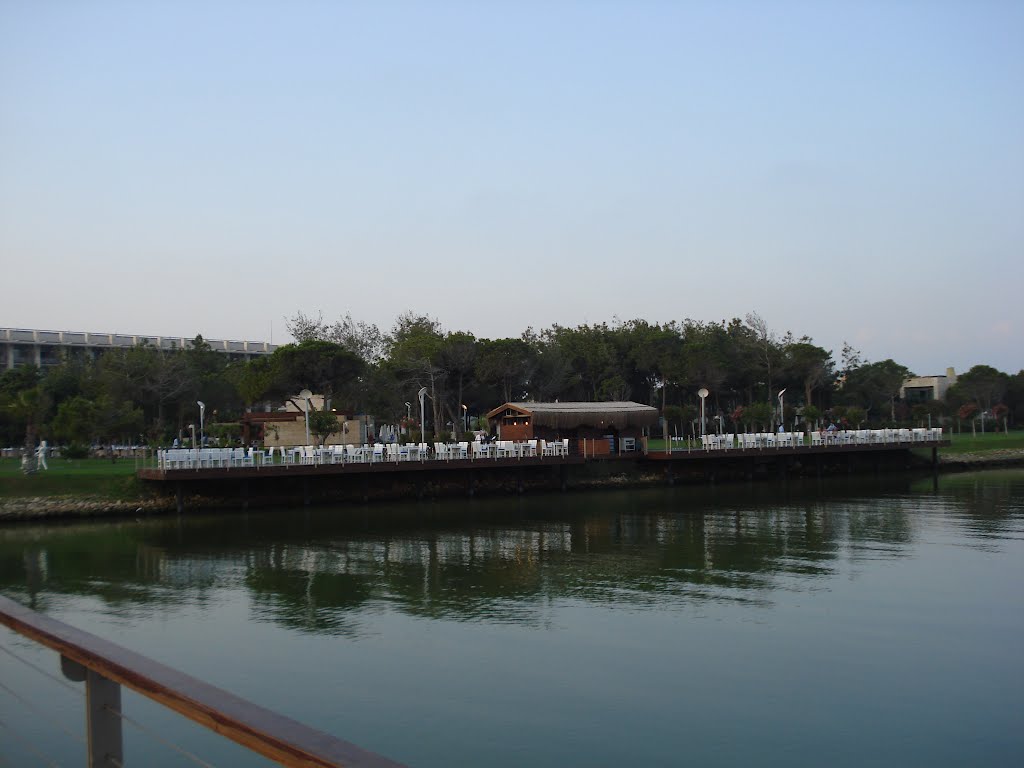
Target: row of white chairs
[757,440]
[877,436]
[749,440]
[192,458]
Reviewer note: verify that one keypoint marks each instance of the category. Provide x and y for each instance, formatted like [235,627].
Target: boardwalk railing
[105,667]
[845,437]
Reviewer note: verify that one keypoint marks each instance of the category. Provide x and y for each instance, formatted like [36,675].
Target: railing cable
[161,739]
[43,672]
[43,715]
[46,759]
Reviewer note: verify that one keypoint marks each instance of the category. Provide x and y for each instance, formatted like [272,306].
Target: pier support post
[563,476]
[305,491]
[179,497]
[471,485]
[670,473]
[245,494]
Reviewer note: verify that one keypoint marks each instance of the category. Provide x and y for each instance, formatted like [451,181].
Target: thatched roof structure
[618,415]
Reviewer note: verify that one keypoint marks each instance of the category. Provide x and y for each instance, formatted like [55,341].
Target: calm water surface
[866,621]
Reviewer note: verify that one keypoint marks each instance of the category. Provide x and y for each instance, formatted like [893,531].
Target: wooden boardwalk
[418,478]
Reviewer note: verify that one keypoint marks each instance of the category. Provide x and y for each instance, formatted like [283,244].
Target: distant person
[782,428]
[41,452]
[831,427]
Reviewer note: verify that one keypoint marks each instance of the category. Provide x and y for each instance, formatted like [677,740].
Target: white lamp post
[202,414]
[702,393]
[465,418]
[192,428]
[423,417]
[782,412]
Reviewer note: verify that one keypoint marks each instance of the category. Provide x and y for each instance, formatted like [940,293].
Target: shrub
[75,450]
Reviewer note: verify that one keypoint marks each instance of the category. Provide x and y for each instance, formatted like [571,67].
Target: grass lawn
[71,477]
[990,441]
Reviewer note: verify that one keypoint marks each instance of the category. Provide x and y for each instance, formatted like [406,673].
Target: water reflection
[503,560]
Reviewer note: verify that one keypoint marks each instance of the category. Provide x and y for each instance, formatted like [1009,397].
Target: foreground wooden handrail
[272,735]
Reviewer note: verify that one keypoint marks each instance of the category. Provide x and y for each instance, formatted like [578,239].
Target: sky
[850,171]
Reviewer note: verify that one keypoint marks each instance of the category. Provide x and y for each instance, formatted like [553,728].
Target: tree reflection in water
[494,560]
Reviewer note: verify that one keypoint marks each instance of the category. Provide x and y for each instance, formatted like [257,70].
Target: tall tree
[874,385]
[323,367]
[809,364]
[506,365]
[415,354]
[983,384]
[767,348]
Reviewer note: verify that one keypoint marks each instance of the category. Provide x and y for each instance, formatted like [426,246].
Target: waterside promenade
[417,470]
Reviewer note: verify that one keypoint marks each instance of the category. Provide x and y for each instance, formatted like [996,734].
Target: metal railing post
[103,721]
[102,714]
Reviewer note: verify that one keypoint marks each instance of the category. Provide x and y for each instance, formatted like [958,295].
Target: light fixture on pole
[202,413]
[423,417]
[782,413]
[702,393]
[408,411]
[192,428]
[465,418]
[305,395]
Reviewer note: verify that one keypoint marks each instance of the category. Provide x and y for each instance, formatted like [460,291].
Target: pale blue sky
[848,170]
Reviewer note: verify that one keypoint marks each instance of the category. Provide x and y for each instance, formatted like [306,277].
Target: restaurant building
[596,428]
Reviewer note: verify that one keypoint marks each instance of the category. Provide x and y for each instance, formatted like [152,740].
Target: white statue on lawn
[41,452]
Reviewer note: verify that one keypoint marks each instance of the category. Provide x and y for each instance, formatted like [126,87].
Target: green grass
[990,441]
[71,477]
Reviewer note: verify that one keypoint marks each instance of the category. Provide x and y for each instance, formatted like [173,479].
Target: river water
[847,622]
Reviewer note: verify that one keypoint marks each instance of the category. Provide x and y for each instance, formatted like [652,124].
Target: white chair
[265,457]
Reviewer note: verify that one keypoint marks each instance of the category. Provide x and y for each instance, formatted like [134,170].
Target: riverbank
[1007,457]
